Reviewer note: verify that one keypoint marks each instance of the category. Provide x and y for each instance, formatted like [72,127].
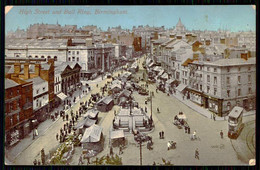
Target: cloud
[253,6]
[7,9]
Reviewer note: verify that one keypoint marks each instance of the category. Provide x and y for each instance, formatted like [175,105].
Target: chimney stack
[37,69]
[17,67]
[26,71]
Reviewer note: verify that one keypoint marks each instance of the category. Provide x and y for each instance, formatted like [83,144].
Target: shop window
[228,106]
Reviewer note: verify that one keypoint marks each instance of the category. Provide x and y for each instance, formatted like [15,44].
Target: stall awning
[160,73]
[181,87]
[62,96]
[92,134]
[170,81]
[164,76]
[117,134]
[91,113]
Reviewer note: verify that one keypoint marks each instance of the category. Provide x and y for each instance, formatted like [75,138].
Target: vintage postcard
[130,85]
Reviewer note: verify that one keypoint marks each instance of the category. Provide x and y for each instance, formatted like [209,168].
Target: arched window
[55,58]
[30,56]
[17,56]
[49,57]
[42,56]
[36,56]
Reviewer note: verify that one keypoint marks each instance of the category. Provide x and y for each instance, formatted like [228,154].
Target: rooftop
[10,83]
[36,80]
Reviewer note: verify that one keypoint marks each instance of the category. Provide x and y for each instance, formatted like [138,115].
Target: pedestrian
[188,130]
[120,150]
[60,113]
[69,130]
[61,130]
[35,162]
[145,109]
[42,157]
[158,110]
[214,117]
[63,117]
[160,134]
[111,151]
[39,162]
[115,112]
[154,163]
[77,117]
[57,136]
[67,117]
[33,134]
[36,132]
[221,134]
[163,134]
[80,160]
[197,154]
[64,126]
[60,138]
[88,160]
[73,122]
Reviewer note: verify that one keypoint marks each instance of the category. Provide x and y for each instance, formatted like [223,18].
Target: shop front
[213,104]
[196,97]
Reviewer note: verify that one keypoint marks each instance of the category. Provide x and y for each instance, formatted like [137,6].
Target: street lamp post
[140,143]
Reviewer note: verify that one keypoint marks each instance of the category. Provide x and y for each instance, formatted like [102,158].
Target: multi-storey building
[223,84]
[18,109]
[40,97]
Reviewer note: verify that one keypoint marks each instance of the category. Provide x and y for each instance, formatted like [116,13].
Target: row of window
[73,59]
[14,105]
[17,118]
[11,93]
[55,57]
[73,52]
[239,92]
[38,90]
[239,79]
[57,79]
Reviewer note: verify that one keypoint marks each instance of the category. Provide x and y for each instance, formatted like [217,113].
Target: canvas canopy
[170,81]
[117,134]
[92,113]
[181,87]
[92,134]
[85,122]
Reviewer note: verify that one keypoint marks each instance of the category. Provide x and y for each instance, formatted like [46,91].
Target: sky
[200,17]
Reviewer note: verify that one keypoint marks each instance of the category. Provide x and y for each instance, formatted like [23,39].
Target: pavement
[13,152]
